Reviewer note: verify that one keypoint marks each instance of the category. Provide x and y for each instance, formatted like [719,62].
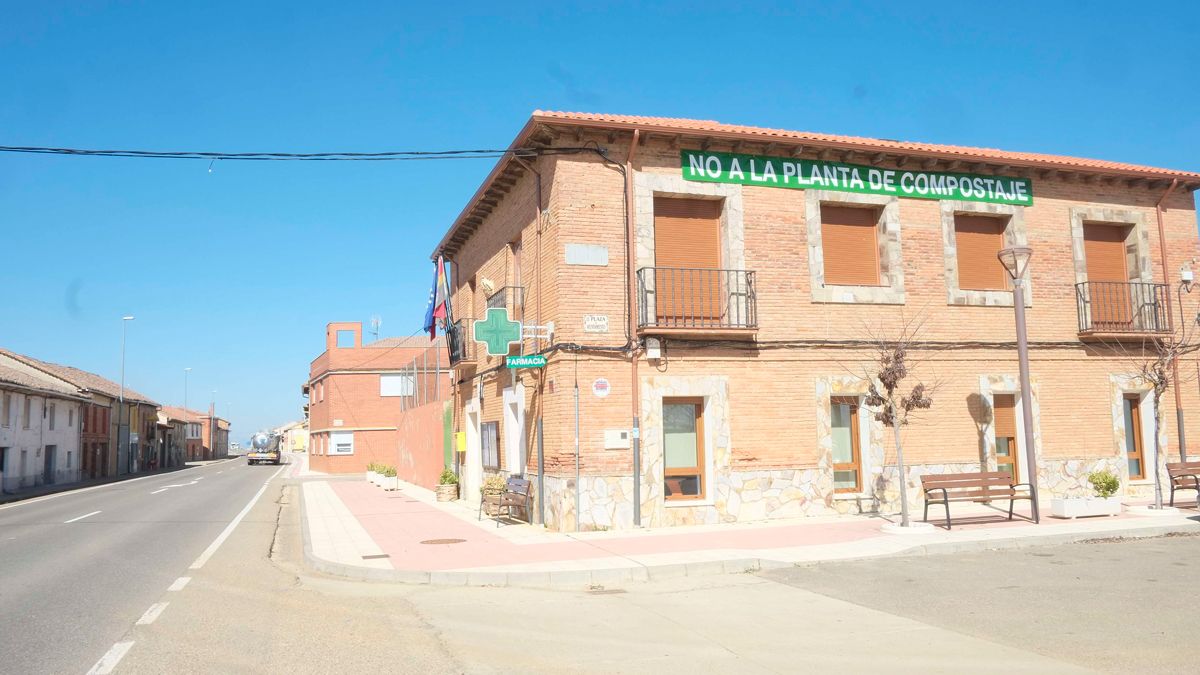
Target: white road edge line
[212,548]
[179,584]
[64,493]
[110,659]
[65,522]
[152,613]
[158,491]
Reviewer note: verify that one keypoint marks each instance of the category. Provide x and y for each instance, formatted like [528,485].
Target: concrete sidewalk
[354,529]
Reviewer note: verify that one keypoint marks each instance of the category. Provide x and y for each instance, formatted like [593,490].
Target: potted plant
[493,486]
[1105,483]
[447,489]
[389,478]
[371,468]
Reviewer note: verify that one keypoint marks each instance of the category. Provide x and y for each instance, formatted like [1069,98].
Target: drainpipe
[538,220]
[1162,242]
[631,264]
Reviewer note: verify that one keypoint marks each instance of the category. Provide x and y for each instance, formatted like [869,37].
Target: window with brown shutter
[978,240]
[687,253]
[850,244]
[1107,274]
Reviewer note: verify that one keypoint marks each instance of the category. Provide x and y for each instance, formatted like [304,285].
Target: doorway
[515,455]
[48,475]
[472,466]
[1008,458]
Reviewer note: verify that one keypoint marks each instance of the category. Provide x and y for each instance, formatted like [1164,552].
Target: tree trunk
[900,468]
[1158,503]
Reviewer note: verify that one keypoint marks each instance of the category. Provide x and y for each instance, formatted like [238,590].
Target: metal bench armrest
[1195,478]
[1024,485]
[945,494]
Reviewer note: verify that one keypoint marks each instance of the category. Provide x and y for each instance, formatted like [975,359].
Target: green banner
[808,174]
[530,361]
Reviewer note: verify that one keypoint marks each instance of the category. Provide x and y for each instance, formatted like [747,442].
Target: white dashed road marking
[111,658]
[152,613]
[80,517]
[179,584]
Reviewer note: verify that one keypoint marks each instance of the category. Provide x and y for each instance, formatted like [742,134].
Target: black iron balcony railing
[684,297]
[458,342]
[1122,307]
[511,297]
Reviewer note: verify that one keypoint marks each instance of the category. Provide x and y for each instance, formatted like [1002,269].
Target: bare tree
[888,395]
[1156,364]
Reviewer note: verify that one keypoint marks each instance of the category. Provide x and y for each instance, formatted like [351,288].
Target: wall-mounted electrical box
[616,439]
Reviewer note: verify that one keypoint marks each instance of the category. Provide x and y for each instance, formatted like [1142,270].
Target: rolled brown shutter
[1109,293]
[1004,416]
[687,233]
[850,243]
[687,255]
[1104,249]
[978,239]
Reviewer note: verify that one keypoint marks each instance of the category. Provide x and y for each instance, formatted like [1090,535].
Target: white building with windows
[39,428]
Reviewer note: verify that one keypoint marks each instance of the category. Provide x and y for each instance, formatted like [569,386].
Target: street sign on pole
[529,361]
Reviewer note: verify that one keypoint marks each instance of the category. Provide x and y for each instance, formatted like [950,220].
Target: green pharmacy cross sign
[497,331]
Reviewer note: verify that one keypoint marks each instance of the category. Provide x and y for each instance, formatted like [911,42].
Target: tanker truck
[264,449]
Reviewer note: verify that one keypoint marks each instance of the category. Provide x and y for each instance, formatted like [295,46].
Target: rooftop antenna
[376,322]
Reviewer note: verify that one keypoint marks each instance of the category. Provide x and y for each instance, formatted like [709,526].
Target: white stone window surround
[1132,384]
[989,386]
[870,440]
[1014,235]
[647,185]
[714,390]
[1098,214]
[891,261]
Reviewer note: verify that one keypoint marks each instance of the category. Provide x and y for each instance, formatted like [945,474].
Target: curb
[640,573]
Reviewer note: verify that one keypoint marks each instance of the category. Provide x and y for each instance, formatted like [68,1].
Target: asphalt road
[78,569]
[1117,606]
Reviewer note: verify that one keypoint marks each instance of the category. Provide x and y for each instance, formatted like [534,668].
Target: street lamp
[1016,261]
[1186,282]
[121,398]
[185,379]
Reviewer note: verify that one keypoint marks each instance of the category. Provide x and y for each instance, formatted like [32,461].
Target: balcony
[680,300]
[459,342]
[1122,310]
[511,298]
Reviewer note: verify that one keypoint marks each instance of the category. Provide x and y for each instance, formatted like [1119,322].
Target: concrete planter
[1082,507]
[371,477]
[389,483]
[447,493]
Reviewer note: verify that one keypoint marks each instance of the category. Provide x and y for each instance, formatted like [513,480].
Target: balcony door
[1109,291]
[688,287]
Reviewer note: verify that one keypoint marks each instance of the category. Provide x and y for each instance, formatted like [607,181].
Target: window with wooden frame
[847,455]
[1107,258]
[489,444]
[683,448]
[1004,424]
[977,240]
[850,245]
[1134,450]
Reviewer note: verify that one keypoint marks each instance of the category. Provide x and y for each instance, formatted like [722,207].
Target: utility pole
[123,439]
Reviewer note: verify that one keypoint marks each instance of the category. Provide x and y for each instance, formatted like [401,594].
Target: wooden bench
[1184,476]
[970,487]
[516,494]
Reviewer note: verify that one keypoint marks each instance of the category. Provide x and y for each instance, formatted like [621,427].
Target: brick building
[361,395]
[713,288]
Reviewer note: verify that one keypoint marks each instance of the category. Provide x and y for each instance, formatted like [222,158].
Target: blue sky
[234,273]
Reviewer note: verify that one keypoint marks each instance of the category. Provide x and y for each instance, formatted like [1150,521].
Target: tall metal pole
[185,383]
[1026,396]
[121,424]
[1183,326]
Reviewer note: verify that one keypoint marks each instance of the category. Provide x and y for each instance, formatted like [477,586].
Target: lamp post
[1016,260]
[185,382]
[123,439]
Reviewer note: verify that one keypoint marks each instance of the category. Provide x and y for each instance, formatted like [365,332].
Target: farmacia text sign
[807,174]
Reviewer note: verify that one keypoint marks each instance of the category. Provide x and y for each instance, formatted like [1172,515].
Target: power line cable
[398,155]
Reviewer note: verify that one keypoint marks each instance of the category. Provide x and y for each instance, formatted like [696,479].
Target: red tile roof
[704,127]
[670,126]
[80,378]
